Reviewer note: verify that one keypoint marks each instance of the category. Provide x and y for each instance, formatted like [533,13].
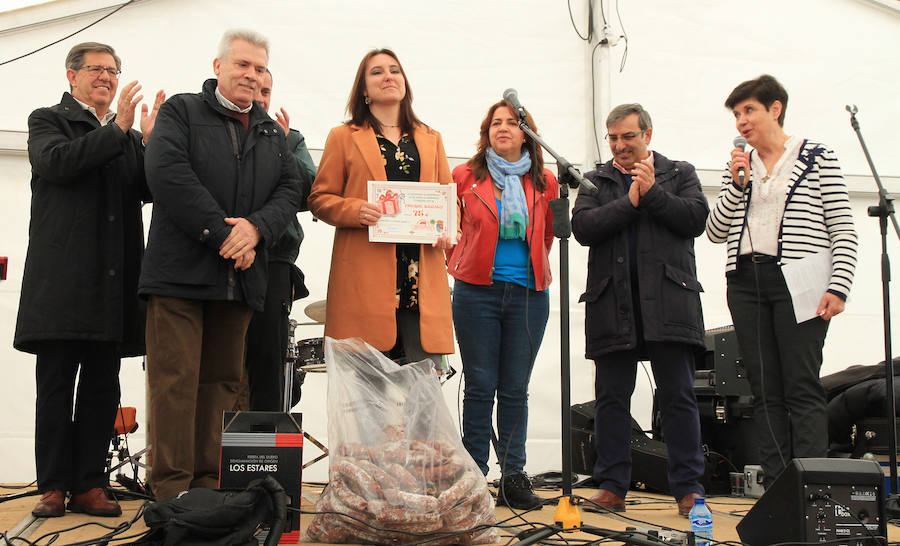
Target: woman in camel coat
[393,296]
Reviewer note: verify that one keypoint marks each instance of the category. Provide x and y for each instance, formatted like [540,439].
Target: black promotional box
[260,443]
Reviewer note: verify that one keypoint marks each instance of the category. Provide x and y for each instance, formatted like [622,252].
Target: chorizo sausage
[358,480]
[386,513]
[355,450]
[450,497]
[345,494]
[412,501]
[385,480]
[405,480]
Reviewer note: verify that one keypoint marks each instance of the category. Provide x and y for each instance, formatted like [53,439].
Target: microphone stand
[882,211]
[567,516]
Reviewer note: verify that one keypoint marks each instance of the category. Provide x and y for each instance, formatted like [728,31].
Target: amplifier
[839,501]
[722,370]
[648,457]
[583,454]
[649,461]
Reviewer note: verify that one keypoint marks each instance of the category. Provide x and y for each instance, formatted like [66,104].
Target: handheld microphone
[740,141]
[512,98]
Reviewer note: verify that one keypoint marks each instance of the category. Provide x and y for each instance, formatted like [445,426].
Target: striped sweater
[816,217]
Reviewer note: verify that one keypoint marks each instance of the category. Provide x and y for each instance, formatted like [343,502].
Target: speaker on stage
[649,461]
[820,500]
[583,455]
[725,401]
[721,370]
[649,457]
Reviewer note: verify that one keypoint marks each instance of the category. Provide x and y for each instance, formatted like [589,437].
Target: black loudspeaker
[840,501]
[583,455]
[649,461]
[724,400]
[649,458]
[722,370]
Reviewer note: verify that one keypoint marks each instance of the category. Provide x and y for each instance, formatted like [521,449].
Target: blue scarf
[508,179]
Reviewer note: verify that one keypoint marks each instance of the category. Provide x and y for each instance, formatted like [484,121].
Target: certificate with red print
[412,212]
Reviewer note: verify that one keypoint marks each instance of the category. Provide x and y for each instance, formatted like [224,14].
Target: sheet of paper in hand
[412,212]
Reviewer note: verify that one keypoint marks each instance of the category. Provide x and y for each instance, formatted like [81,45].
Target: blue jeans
[499,329]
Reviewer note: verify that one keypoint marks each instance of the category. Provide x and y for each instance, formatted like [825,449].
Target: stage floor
[644,511]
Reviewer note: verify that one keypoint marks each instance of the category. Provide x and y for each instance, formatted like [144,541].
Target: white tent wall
[683,59]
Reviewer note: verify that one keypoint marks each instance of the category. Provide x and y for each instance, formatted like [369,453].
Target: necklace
[383,124]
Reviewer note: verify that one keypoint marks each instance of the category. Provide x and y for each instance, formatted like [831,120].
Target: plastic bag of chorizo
[398,472]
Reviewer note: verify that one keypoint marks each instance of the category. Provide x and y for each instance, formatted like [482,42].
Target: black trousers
[783,360]
[71,444]
[673,369]
[267,338]
[408,347]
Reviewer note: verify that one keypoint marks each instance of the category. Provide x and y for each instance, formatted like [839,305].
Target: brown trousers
[195,354]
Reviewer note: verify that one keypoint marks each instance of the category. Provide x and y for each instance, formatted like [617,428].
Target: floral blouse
[401,162]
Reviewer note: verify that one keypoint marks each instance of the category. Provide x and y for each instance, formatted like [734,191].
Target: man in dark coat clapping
[642,302]
[79,311]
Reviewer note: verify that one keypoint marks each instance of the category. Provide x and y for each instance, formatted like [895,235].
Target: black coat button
[620,260]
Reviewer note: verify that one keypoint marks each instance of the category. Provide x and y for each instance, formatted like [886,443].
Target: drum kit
[304,356]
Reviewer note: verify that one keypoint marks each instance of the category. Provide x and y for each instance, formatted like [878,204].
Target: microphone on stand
[512,98]
[572,176]
[740,141]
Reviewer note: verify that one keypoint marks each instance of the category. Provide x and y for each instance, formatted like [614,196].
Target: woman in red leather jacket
[500,298]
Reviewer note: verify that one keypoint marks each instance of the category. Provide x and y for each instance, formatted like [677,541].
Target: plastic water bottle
[701,522]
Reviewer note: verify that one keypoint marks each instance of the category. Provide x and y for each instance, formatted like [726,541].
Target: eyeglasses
[95,70]
[626,137]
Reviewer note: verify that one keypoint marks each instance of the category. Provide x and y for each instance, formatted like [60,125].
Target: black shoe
[515,492]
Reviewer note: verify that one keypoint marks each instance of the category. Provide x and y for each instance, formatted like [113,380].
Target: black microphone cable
[532,350]
[762,376]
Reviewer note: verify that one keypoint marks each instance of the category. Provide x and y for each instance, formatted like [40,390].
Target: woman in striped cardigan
[781,202]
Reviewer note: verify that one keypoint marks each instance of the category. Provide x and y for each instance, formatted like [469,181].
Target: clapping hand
[128,101]
[148,118]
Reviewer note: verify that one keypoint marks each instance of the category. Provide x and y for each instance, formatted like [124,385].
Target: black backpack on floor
[207,517]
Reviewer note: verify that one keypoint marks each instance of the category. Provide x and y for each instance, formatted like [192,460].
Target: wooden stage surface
[645,511]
